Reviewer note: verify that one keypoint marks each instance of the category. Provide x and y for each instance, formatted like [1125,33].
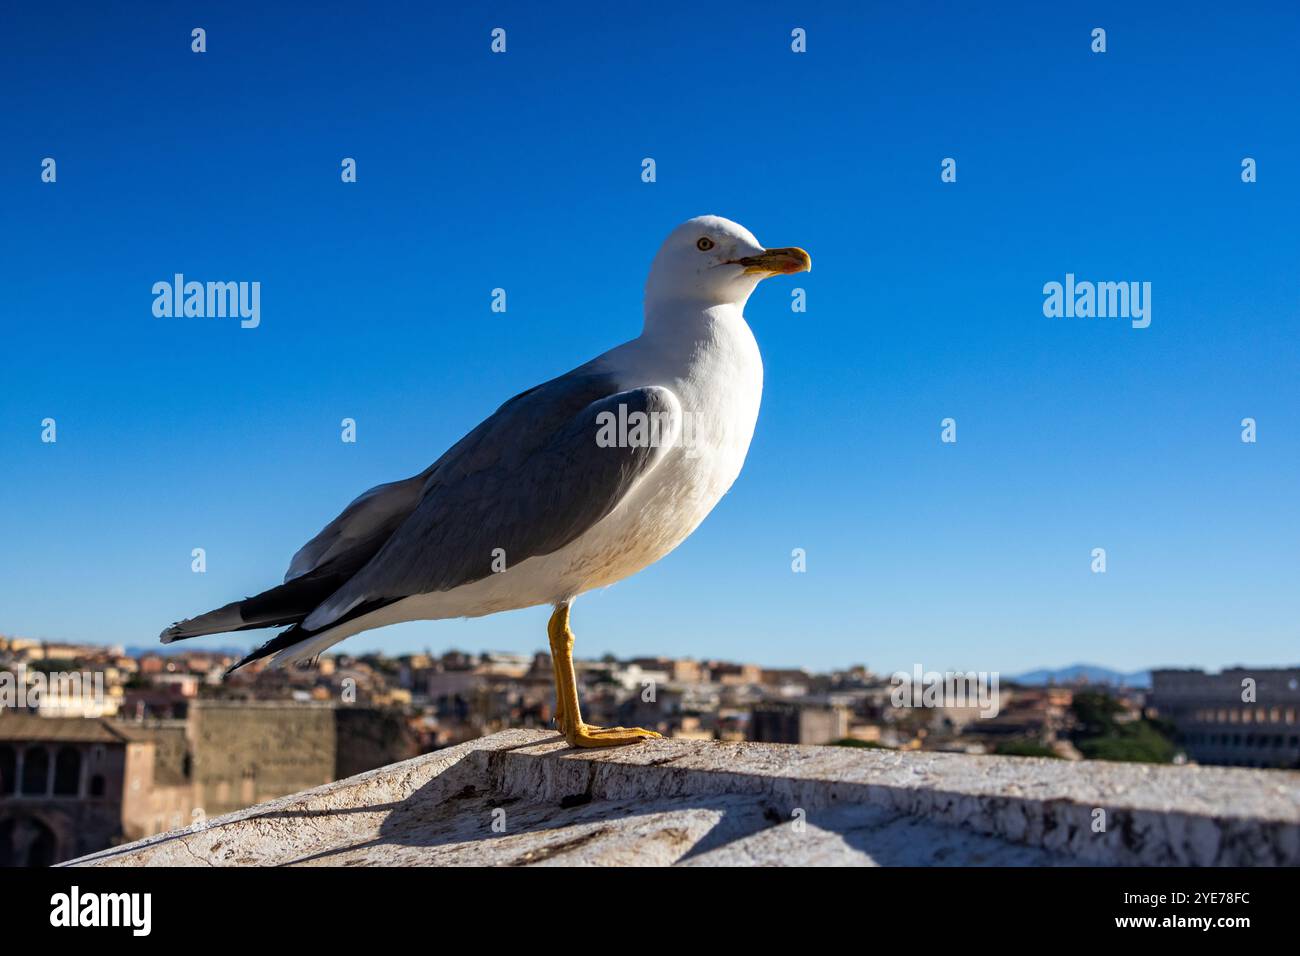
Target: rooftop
[37,729]
[523,797]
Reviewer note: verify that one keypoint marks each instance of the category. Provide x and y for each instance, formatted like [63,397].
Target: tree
[1100,736]
[1025,748]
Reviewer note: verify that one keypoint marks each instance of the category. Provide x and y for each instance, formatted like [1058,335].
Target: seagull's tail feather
[287,603]
[282,641]
[297,643]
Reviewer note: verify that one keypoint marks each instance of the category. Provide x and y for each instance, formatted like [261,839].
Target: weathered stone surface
[524,798]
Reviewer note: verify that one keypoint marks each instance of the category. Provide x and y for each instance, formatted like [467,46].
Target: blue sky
[522,171]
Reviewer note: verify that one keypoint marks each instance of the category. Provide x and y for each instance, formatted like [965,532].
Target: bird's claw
[586,735]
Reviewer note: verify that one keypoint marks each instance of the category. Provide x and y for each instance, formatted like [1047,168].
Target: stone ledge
[701,803]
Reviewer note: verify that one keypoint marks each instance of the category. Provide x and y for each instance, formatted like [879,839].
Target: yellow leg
[559,694]
[568,715]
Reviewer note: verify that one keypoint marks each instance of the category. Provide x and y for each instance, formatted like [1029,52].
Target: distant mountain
[1083,673]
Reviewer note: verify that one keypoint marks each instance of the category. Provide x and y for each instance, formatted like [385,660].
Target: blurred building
[246,752]
[71,786]
[1038,714]
[731,675]
[74,785]
[798,723]
[1216,726]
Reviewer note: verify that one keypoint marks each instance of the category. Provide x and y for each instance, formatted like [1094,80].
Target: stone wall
[245,752]
[366,738]
[525,798]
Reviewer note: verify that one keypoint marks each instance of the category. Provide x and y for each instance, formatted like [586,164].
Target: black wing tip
[248,659]
[286,638]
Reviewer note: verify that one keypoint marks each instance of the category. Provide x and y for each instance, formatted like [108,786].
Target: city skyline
[1093,672]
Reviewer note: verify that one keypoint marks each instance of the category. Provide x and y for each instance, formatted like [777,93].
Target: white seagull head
[709,261]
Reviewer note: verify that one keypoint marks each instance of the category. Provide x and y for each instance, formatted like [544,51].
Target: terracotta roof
[25,727]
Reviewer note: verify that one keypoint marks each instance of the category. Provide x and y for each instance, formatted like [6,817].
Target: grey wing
[362,527]
[320,567]
[369,521]
[528,481]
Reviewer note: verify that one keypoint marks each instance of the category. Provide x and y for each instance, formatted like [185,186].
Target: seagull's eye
[704,244]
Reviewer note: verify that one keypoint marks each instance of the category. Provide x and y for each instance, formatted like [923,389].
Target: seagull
[573,485]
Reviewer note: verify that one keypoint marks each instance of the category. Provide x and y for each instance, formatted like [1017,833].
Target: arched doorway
[67,772]
[36,771]
[8,769]
[27,841]
[43,848]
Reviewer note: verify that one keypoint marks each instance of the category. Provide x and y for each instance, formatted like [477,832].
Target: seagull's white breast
[718,380]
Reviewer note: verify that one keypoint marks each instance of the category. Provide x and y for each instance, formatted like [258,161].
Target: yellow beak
[776,262]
